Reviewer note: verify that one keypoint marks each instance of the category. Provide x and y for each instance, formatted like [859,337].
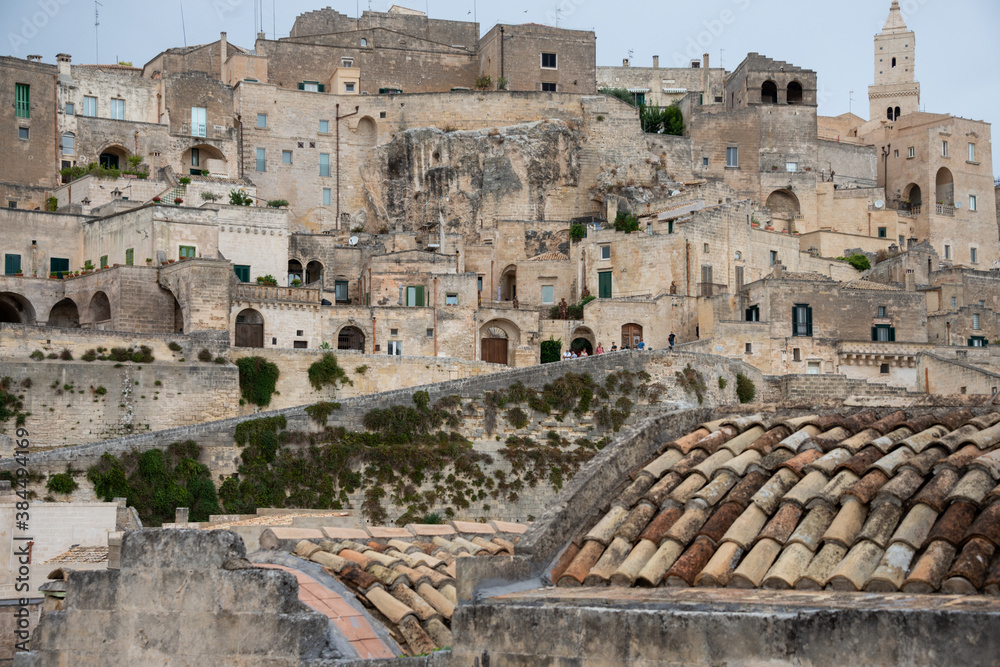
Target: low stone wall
[949,376]
[18,341]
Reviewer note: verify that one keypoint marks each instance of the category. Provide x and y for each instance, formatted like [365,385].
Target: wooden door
[604,284]
[631,335]
[249,335]
[495,350]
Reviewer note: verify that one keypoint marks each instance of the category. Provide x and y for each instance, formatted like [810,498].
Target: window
[947,252]
[89,106]
[262,120]
[186,252]
[68,143]
[261,159]
[749,348]
[327,196]
[324,164]
[324,127]
[23,133]
[199,120]
[954,302]
[975,322]
[883,333]
[706,248]
[732,157]
[883,232]
[58,266]
[451,299]
[312,86]
[129,256]
[11,204]
[813,368]
[300,344]
[896,153]
[393,332]
[415,296]
[364,42]
[341,289]
[349,87]
[22,100]
[195,157]
[118,109]
[70,109]
[913,152]
[479,283]
[548,87]
[548,294]
[347,62]
[977,341]
[753,314]
[286,157]
[242,272]
[944,149]
[395,348]
[796,354]
[791,167]
[881,312]
[11,264]
[704,162]
[774,257]
[605,252]
[549,61]
[982,303]
[972,152]
[972,202]
[884,369]
[974,255]
[802,320]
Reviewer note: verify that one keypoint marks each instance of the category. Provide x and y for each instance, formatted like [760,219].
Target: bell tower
[896,91]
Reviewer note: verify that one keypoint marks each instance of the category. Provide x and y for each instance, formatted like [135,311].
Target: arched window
[364,42]
[896,114]
[795,93]
[769,93]
[893,62]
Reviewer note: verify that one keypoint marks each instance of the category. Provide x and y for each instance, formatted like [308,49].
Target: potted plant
[774,167]
[178,201]
[156,200]
[204,172]
[53,276]
[296,282]
[149,261]
[184,180]
[19,274]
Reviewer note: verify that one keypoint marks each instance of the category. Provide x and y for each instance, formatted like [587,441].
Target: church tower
[896,91]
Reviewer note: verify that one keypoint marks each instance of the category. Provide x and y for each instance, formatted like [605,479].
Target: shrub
[277,203]
[210,196]
[89,355]
[61,482]
[267,280]
[178,201]
[239,198]
[327,371]
[692,381]
[517,417]
[66,355]
[626,222]
[484,83]
[174,347]
[432,519]
[101,391]
[220,360]
[745,389]
[37,355]
[577,231]
[205,356]
[320,412]
[53,355]
[184,180]
[551,350]
[859,262]
[361,370]
[11,405]
[258,378]
[723,382]
[51,204]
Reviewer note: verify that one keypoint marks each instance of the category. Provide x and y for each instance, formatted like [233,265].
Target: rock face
[181,597]
[426,176]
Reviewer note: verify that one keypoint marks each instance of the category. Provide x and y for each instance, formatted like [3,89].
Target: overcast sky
[957,46]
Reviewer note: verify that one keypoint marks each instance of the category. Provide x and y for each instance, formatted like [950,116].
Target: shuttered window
[802,320]
[23,100]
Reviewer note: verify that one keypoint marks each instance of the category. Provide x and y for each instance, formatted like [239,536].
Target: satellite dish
[958,204]
[879,204]
[353,240]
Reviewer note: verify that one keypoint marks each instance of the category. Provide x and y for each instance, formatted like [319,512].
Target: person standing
[600,349]
[670,339]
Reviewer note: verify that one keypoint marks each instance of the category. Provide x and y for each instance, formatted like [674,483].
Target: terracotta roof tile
[656,531]
[854,571]
[712,442]
[744,530]
[992,584]
[635,522]
[605,529]
[740,464]
[609,561]
[960,459]
[710,494]
[747,487]
[830,494]
[740,443]
[925,461]
[659,491]
[686,464]
[861,460]
[930,569]
[828,463]
[972,487]
[769,496]
[953,524]
[635,491]
[889,423]
[781,525]
[968,572]
[798,462]
[789,567]
[821,567]
[888,577]
[686,443]
[772,461]
[656,567]
[810,531]
[881,524]
[750,572]
[807,488]
[901,487]
[865,490]
[686,527]
[662,463]
[691,562]
[916,526]
[888,441]
[579,567]
[708,467]
[986,525]
[935,491]
[765,443]
[627,572]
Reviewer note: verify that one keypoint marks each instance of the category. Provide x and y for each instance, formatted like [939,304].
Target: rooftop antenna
[721,62]
[850,103]
[97,36]
[183,29]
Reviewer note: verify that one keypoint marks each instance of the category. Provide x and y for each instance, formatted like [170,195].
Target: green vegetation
[577,231]
[626,222]
[859,262]
[517,417]
[320,412]
[258,378]
[327,371]
[484,83]
[622,94]
[573,312]
[723,382]
[239,198]
[100,391]
[551,351]
[184,180]
[62,482]
[692,381]
[174,347]
[51,204]
[157,482]
[204,355]
[11,405]
[662,120]
[93,169]
[745,389]
[268,280]
[277,203]
[37,355]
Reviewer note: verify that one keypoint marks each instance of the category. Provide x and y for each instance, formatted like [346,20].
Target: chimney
[223,53]
[63,63]
[625,62]
[656,62]
[704,79]
[778,271]
[34,59]
[911,281]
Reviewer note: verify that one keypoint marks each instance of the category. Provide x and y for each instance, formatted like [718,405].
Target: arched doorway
[507,289]
[794,93]
[783,203]
[945,187]
[114,157]
[351,338]
[295,271]
[15,309]
[914,196]
[249,328]
[367,132]
[100,310]
[583,339]
[769,93]
[631,336]
[64,314]
[314,272]
[495,346]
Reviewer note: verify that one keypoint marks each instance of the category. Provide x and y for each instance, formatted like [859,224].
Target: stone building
[662,86]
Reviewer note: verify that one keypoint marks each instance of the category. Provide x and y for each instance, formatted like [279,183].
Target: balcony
[251,292]
[206,131]
[712,289]
[945,210]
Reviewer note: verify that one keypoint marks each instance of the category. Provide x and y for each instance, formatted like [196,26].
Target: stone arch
[64,314]
[583,338]
[783,202]
[249,329]
[351,337]
[196,159]
[498,340]
[15,309]
[794,92]
[944,187]
[114,156]
[769,92]
[913,194]
[631,335]
[367,132]
[295,270]
[99,310]
[508,283]
[314,272]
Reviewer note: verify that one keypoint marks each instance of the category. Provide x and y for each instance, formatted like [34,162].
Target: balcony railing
[712,289]
[945,210]
[251,292]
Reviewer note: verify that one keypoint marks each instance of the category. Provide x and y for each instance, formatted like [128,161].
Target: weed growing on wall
[745,389]
[61,482]
[327,371]
[11,405]
[258,378]
[692,381]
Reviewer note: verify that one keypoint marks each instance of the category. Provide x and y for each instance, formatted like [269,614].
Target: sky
[956,61]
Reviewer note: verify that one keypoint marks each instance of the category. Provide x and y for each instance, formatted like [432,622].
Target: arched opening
[178,315]
[893,62]
[351,338]
[364,42]
[249,328]
[497,338]
[769,93]
[100,310]
[631,336]
[888,113]
[507,289]
[314,272]
[114,157]
[583,339]
[914,196]
[895,113]
[795,93]
[367,132]
[783,203]
[295,271]
[201,158]
[68,143]
[945,187]
[64,314]
[15,309]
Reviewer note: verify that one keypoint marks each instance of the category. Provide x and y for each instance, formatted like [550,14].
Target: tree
[662,120]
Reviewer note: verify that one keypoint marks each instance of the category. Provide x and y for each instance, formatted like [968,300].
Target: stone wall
[31,161]
[938,375]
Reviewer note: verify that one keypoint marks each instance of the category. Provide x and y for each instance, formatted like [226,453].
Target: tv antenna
[183,28]
[97,35]
[850,103]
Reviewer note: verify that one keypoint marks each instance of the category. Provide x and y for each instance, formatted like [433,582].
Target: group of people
[640,345]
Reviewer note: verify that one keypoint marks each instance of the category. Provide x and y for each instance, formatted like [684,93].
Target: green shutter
[12,264]
[242,272]
[420,296]
[129,257]
[23,101]
[875,333]
[104,261]
[58,266]
[302,86]
[604,289]
[809,321]
[892,334]
[795,328]
[322,87]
